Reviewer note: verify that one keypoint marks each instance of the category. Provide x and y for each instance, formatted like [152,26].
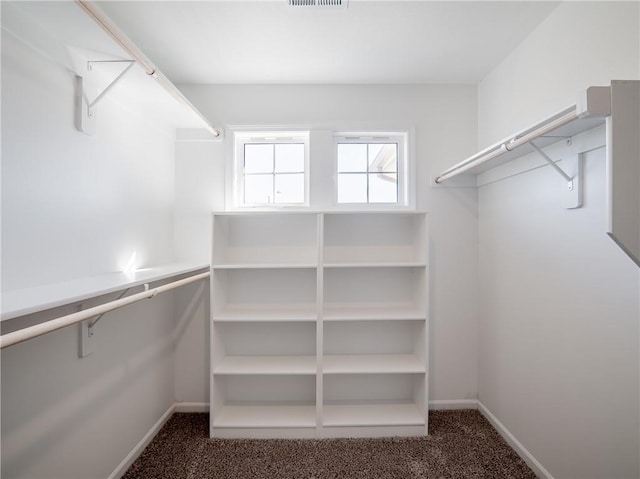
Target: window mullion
[368,173]
[273,173]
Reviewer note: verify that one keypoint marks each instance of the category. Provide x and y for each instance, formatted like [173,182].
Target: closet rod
[542,128]
[108,26]
[31,332]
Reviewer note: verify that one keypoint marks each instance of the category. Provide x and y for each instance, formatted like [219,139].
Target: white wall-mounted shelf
[591,110]
[40,298]
[68,34]
[616,106]
[319,324]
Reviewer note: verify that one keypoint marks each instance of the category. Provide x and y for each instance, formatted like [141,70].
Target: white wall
[444,118]
[560,302]
[199,190]
[92,200]
[71,418]
[579,45]
[553,357]
[75,206]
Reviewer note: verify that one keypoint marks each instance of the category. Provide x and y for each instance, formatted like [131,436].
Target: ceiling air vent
[319,3]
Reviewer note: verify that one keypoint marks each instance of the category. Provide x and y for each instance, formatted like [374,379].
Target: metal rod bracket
[86,342]
[574,183]
[551,162]
[90,63]
[92,323]
[86,107]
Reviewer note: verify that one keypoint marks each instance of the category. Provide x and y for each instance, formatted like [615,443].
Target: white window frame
[241,138]
[404,174]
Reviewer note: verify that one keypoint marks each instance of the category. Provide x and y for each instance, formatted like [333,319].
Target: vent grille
[319,3]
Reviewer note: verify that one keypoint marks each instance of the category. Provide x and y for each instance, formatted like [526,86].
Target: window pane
[383,188]
[258,189]
[352,188]
[383,157]
[352,157]
[289,158]
[258,158]
[290,188]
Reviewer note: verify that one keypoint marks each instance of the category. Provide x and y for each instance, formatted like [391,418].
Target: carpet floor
[460,445]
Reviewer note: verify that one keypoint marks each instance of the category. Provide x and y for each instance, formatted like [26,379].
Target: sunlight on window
[258,159]
[289,158]
[289,188]
[367,172]
[274,173]
[352,188]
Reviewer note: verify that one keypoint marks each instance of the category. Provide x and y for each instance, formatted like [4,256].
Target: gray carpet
[461,444]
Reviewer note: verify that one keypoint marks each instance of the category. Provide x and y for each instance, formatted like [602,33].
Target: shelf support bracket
[112,82]
[574,184]
[92,323]
[86,344]
[85,107]
[553,164]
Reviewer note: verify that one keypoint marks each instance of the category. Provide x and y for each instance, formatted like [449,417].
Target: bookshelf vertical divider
[319,324]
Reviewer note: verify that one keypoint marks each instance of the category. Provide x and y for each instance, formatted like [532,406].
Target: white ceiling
[368,42]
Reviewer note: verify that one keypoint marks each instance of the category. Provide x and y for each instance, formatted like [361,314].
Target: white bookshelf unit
[319,325]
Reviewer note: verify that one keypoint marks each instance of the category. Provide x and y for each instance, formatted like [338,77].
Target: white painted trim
[449,404]
[516,445]
[144,442]
[148,437]
[434,405]
[191,407]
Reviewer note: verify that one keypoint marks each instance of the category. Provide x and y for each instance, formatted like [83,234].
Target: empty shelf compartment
[398,292]
[372,364]
[265,238]
[257,365]
[381,414]
[375,238]
[267,294]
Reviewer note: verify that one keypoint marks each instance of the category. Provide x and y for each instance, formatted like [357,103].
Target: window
[370,169]
[271,169]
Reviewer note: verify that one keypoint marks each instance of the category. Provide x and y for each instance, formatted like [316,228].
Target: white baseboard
[437,404]
[191,407]
[527,457]
[144,442]
[516,445]
[444,404]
